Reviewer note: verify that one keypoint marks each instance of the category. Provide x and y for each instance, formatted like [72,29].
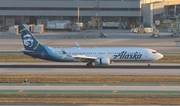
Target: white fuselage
[114,54]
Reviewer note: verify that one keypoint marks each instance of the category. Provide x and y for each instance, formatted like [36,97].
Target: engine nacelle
[102,61]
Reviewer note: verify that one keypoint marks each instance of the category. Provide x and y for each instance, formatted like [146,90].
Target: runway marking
[21,90]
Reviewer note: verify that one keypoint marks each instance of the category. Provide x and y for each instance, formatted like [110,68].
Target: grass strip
[168,58]
[92,79]
[126,99]
[18,58]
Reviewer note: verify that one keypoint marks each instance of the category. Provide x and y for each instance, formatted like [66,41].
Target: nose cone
[159,56]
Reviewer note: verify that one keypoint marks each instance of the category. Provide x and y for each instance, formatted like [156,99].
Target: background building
[123,11]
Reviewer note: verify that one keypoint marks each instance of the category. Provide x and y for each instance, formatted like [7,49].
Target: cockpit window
[154,52]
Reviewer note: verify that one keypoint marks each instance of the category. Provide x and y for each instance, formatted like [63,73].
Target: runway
[124,88]
[85,67]
[117,65]
[81,69]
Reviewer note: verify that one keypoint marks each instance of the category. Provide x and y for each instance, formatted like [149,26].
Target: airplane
[93,56]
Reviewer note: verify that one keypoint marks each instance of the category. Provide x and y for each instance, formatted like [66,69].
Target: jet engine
[102,61]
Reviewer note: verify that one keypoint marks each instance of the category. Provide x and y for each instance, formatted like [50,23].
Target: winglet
[77,45]
[63,51]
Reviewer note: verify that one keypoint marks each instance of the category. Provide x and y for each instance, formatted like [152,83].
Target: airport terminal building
[123,11]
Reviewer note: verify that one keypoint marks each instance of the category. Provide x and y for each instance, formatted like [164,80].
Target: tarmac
[80,68]
[116,38]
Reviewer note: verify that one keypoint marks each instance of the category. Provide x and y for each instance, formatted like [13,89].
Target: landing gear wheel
[149,64]
[89,64]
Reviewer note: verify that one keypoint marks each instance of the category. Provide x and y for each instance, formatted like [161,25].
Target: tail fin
[29,41]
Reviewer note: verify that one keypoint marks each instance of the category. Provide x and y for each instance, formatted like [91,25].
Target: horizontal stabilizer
[27,51]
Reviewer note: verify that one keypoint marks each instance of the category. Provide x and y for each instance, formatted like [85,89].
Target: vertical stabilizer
[29,41]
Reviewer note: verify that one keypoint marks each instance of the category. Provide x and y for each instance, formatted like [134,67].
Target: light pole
[79,10]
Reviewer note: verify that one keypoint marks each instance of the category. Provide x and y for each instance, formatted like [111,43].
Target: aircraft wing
[24,50]
[84,57]
[81,57]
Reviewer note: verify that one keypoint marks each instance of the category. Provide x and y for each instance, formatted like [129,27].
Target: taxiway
[81,69]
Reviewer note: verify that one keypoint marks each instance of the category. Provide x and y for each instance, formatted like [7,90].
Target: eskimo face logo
[28,41]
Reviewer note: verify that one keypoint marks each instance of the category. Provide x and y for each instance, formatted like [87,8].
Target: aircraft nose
[159,56]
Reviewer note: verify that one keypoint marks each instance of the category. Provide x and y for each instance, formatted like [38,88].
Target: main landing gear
[89,64]
[149,64]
